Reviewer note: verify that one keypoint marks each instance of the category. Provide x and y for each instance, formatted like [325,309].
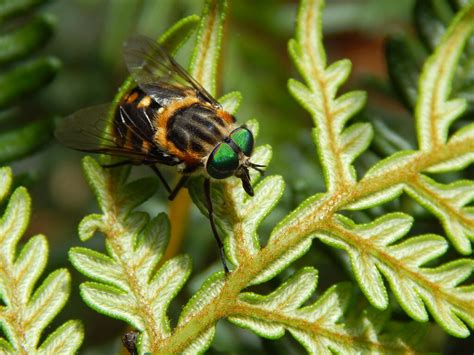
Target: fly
[168,119]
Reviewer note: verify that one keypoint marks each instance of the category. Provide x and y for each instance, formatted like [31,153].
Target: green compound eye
[243,138]
[222,162]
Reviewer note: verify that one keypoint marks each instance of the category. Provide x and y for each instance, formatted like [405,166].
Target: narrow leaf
[448,203]
[20,142]
[26,79]
[434,89]
[66,339]
[205,57]
[11,8]
[26,39]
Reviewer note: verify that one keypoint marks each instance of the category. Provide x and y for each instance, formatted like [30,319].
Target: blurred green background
[88,39]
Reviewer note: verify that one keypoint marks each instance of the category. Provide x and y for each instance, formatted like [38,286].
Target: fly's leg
[178,187]
[207,192]
[162,179]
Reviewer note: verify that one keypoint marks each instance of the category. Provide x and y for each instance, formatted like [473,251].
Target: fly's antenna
[257,167]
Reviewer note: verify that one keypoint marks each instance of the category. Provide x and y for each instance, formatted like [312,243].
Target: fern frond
[405,53]
[411,283]
[448,203]
[401,264]
[239,216]
[203,66]
[434,112]
[126,285]
[338,145]
[26,312]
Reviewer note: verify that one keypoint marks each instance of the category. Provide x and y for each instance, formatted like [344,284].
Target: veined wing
[90,130]
[158,74]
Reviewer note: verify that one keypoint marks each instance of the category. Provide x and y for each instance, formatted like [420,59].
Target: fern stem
[317,215]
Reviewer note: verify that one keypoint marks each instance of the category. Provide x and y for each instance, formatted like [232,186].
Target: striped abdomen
[196,129]
[190,129]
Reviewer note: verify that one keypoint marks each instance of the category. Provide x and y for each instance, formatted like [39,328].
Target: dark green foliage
[405,55]
[21,77]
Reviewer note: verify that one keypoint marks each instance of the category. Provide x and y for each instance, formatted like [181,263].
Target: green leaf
[13,8]
[26,39]
[318,326]
[384,181]
[429,20]
[23,141]
[267,315]
[19,80]
[463,137]
[203,66]
[448,203]
[405,55]
[403,68]
[26,79]
[283,262]
[434,111]
[372,252]
[66,339]
[337,148]
[231,102]
[288,297]
[6,179]
[25,312]
[179,33]
[206,295]
[6,347]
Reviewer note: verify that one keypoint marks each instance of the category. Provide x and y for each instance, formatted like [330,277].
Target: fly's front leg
[207,192]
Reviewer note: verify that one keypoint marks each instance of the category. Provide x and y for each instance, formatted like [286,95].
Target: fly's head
[231,157]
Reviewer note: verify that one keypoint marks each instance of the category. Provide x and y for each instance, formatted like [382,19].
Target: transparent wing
[89,130]
[158,74]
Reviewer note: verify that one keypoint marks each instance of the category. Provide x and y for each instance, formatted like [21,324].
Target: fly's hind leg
[207,192]
[162,179]
[171,192]
[178,187]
